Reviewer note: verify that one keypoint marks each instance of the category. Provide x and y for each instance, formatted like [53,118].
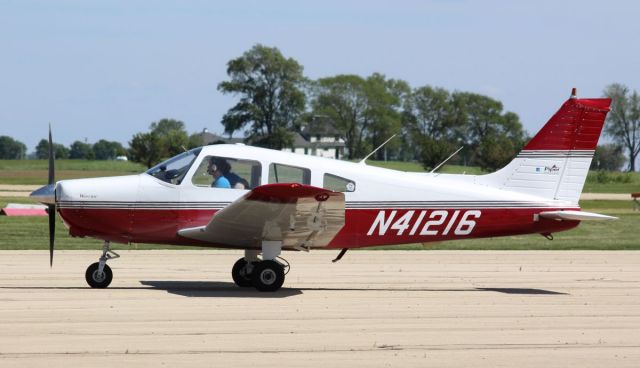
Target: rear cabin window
[279,173]
[240,174]
[338,184]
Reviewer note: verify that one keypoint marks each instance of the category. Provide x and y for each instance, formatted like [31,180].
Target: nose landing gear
[99,274]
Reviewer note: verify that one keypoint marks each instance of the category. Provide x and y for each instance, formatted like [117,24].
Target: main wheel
[96,279]
[240,275]
[267,276]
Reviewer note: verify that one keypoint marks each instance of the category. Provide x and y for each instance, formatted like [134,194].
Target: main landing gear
[266,274]
[99,274]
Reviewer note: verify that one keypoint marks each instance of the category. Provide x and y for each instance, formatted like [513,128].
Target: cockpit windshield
[174,169]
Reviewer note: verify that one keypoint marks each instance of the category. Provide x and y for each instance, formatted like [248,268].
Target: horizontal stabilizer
[576,216]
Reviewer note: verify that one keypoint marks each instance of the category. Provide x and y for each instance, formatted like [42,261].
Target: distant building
[319,137]
[210,138]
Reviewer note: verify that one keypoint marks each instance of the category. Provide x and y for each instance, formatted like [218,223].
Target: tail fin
[555,163]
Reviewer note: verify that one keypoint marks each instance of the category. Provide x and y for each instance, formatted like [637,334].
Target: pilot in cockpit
[220,169]
[216,168]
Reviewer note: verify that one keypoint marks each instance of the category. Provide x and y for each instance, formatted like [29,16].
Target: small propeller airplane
[264,201]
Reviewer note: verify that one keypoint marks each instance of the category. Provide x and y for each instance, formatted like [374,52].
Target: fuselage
[382,206]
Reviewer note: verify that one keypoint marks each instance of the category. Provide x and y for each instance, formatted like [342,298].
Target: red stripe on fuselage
[363,227]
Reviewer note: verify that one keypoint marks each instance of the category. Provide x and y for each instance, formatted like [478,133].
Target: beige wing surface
[301,216]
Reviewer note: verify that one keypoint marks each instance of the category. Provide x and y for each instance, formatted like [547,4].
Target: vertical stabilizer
[555,163]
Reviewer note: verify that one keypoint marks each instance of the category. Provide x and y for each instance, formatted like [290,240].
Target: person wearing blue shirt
[216,169]
[221,182]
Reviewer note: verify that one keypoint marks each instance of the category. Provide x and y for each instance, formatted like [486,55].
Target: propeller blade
[52,231]
[52,157]
[52,207]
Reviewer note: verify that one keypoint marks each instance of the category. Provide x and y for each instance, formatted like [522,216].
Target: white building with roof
[319,137]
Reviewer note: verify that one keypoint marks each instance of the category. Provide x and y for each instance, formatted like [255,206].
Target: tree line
[275,99]
[11,149]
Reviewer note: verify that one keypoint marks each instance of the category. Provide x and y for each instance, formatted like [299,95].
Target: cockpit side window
[226,172]
[279,173]
[174,169]
[338,184]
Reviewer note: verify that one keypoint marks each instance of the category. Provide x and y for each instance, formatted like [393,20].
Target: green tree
[496,151]
[384,99]
[367,111]
[107,150]
[166,138]
[343,99]
[478,118]
[608,157]
[501,144]
[166,126]
[174,142]
[145,148]
[195,140]
[172,136]
[271,97]
[475,116]
[428,112]
[81,150]
[42,150]
[11,149]
[431,152]
[427,122]
[623,121]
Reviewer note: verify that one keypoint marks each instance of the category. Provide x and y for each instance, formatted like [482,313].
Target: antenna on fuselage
[362,162]
[445,161]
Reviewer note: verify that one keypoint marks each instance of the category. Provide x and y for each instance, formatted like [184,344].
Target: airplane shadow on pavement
[230,290]
[214,289]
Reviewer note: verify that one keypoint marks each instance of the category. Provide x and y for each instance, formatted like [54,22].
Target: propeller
[51,207]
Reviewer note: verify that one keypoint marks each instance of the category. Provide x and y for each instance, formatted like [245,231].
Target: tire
[238,272]
[267,276]
[98,281]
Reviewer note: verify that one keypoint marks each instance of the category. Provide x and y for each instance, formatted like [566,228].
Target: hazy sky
[108,69]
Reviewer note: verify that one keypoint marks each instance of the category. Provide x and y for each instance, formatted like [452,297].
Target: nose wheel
[99,274]
[97,279]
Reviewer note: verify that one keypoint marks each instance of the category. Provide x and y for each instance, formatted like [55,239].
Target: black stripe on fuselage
[348,205]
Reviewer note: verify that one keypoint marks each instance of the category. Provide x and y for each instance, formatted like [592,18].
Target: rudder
[555,162]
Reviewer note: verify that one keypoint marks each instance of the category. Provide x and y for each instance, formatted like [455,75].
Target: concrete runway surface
[372,309]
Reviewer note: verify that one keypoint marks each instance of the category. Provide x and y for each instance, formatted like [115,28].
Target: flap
[301,216]
[575,215]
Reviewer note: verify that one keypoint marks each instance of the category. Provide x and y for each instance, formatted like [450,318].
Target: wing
[301,216]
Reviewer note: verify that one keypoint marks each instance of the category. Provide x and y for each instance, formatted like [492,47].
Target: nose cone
[45,194]
[109,189]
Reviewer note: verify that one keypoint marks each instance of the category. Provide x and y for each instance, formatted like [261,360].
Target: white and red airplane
[269,201]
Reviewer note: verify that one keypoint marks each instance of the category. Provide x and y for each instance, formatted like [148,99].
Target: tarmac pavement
[371,309]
